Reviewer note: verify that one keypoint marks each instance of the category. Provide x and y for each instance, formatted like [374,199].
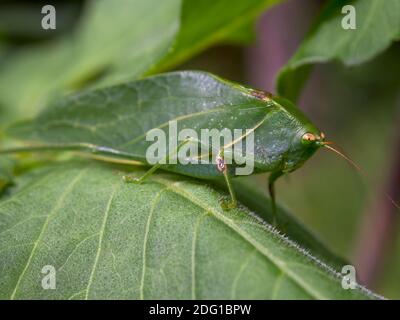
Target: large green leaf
[123,38]
[377,25]
[167,238]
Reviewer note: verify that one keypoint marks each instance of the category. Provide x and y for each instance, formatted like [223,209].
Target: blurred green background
[357,107]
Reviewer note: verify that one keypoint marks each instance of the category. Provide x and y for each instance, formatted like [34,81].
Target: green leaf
[166,238]
[377,25]
[207,22]
[256,200]
[124,39]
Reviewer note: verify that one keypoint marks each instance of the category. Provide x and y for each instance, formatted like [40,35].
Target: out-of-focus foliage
[377,25]
[20,21]
[207,22]
[108,37]
[120,42]
[6,172]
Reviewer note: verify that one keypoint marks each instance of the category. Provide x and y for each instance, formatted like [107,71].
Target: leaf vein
[101,234]
[263,250]
[45,224]
[146,235]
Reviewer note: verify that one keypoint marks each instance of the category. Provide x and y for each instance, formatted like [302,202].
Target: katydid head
[304,144]
[299,138]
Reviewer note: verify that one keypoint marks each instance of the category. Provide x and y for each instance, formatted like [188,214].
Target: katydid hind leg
[271,188]
[139,180]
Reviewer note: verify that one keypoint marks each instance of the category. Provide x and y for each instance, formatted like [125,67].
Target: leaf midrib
[273,259]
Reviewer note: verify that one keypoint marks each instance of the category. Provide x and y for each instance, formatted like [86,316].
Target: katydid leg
[138,180]
[271,188]
[222,167]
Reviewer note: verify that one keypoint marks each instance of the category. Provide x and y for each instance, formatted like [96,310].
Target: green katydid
[112,123]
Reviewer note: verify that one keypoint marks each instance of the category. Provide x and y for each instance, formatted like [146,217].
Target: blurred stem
[379,227]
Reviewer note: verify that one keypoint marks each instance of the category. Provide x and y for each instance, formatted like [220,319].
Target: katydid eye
[308,138]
